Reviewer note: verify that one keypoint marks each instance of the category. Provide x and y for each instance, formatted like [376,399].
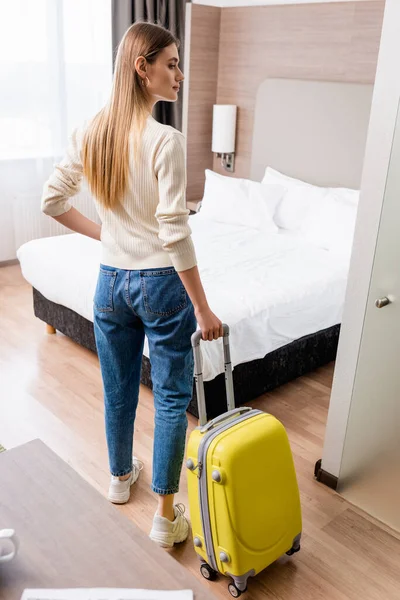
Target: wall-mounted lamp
[224,133]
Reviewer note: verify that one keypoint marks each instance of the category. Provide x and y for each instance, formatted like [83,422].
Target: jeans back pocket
[163,292]
[103,298]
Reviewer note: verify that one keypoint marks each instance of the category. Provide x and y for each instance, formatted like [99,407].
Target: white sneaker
[167,533]
[120,491]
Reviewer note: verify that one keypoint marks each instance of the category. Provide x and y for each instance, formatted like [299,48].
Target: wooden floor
[50,388]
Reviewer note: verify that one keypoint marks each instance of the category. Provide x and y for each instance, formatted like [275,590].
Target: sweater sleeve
[172,213]
[64,182]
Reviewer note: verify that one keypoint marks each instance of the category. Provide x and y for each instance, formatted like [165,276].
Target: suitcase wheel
[293,550]
[207,572]
[234,591]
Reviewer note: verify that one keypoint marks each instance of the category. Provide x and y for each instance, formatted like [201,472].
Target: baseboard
[324,477]
[9,263]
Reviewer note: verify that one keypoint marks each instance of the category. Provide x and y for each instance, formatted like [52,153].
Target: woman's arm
[210,325]
[172,213]
[76,221]
[63,183]
[175,234]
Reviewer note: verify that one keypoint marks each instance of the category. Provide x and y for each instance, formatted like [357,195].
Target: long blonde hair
[105,149]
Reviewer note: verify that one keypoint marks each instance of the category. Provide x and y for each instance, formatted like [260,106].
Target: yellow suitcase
[243,493]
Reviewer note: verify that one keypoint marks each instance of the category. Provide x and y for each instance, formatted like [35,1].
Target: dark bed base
[251,379]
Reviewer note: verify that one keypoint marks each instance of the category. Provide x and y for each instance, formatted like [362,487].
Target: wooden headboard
[312,130]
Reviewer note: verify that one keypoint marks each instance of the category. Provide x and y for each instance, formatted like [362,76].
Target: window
[55,72]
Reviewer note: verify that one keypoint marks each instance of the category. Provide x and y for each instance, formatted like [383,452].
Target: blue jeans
[127,306]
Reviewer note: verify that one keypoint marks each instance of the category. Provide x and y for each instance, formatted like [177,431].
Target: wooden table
[70,536]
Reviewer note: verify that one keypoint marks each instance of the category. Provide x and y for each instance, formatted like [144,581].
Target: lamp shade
[224,128]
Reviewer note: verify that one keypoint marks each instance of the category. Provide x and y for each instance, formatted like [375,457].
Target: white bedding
[270,288]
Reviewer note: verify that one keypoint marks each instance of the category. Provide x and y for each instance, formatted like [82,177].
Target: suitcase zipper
[202,475]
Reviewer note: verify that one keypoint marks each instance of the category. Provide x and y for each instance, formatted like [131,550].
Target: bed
[280,292]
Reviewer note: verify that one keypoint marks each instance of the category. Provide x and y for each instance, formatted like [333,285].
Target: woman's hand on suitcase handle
[210,325]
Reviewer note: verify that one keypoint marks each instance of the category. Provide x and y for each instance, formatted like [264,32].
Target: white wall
[226,3]
[379,144]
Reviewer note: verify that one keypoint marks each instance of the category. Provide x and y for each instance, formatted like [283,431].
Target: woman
[148,283]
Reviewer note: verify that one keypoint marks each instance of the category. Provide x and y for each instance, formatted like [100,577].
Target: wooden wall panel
[329,42]
[203,74]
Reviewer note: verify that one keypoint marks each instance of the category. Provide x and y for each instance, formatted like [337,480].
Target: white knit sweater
[149,228]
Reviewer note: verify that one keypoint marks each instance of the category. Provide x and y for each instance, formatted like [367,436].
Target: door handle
[382,302]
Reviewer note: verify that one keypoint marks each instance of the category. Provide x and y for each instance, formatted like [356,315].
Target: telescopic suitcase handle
[198,373]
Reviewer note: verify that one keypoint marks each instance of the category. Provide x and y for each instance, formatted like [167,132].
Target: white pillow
[240,201]
[331,225]
[303,199]
[346,194]
[296,205]
[299,200]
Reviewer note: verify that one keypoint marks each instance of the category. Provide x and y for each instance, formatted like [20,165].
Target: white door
[370,469]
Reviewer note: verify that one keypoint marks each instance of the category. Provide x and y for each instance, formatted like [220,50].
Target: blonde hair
[105,149]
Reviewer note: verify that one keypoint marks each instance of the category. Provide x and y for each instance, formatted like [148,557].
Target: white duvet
[271,289]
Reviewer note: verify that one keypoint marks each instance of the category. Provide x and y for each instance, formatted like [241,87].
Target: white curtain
[55,72]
